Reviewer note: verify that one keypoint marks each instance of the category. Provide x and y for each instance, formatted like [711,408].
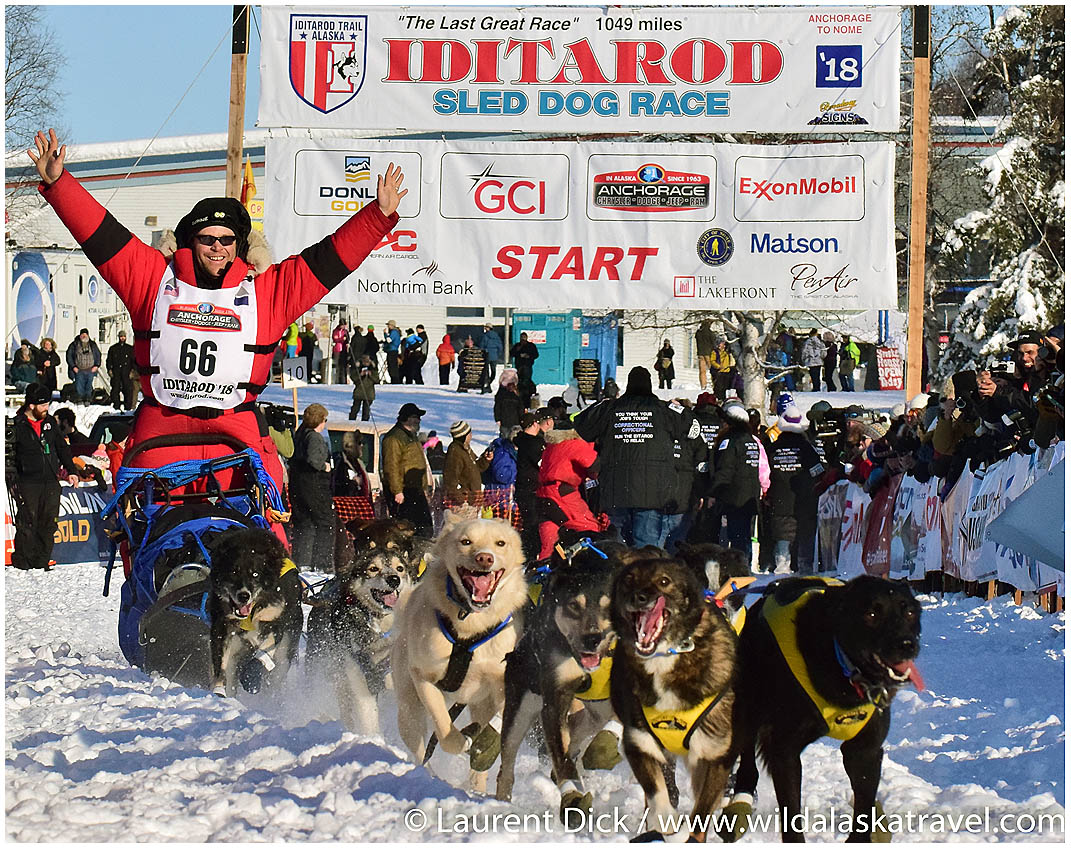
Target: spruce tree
[1022,231]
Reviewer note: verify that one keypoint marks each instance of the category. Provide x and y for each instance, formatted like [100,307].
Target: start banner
[556,225]
[582,69]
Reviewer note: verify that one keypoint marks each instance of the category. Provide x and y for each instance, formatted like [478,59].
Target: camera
[1004,368]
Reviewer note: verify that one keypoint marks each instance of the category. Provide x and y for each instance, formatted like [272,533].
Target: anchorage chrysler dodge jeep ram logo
[652,188]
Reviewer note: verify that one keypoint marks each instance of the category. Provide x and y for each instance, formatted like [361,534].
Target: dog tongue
[245,610]
[390,599]
[909,668]
[651,618]
[589,661]
[482,583]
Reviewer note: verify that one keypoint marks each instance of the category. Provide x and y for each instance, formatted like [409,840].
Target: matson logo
[791,243]
[651,188]
[799,188]
[509,187]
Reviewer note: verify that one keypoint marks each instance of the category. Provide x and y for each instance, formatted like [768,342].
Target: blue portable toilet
[600,339]
[557,336]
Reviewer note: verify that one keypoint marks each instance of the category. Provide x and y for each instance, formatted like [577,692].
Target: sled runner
[167,533]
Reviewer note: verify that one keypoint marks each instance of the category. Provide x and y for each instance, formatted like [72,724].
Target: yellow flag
[249,187]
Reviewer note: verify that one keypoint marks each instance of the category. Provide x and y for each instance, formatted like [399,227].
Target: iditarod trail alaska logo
[328,56]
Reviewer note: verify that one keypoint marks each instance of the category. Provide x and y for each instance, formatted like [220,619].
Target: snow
[98,751]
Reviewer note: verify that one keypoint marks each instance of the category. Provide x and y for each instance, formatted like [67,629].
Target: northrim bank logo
[328,56]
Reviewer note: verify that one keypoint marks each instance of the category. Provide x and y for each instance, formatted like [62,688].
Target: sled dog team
[603,645]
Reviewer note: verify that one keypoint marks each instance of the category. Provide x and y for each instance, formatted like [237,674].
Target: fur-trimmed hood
[554,437]
[258,254]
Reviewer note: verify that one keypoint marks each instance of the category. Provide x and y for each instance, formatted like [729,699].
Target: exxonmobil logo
[695,61]
[799,188]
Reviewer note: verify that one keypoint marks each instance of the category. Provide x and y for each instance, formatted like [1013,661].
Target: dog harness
[598,685]
[247,623]
[841,722]
[461,654]
[674,728]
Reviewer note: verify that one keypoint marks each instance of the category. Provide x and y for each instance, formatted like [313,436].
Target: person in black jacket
[524,354]
[530,444]
[509,405]
[639,439]
[791,502]
[48,360]
[41,458]
[311,504]
[120,364]
[734,481]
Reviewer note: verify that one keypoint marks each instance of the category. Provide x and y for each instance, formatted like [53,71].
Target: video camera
[279,418]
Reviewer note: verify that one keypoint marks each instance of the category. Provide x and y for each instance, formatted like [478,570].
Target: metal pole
[920,144]
[239,50]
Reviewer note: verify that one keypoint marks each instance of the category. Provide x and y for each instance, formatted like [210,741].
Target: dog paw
[602,753]
[486,745]
[455,742]
[881,832]
[733,822]
[251,676]
[581,805]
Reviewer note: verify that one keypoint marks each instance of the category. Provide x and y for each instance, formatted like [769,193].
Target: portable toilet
[557,336]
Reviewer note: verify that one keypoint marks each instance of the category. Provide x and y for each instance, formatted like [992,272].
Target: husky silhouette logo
[327,58]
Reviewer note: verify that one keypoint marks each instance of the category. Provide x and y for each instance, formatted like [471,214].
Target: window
[464,312]
[80,280]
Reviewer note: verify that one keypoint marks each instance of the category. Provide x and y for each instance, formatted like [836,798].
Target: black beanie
[36,393]
[639,382]
[212,212]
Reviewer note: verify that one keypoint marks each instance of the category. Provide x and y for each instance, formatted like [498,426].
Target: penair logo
[328,55]
[204,316]
[507,187]
[651,188]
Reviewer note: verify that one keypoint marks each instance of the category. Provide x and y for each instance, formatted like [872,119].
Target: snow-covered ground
[98,751]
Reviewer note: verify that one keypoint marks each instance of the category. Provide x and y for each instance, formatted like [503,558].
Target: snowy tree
[1021,232]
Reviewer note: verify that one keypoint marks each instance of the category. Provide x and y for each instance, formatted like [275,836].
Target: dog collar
[464,609]
[875,693]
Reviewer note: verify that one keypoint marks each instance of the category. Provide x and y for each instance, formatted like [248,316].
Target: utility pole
[920,149]
[235,129]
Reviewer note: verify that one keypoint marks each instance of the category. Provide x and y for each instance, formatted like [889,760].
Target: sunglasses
[208,241]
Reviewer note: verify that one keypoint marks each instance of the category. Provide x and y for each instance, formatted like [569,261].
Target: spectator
[435,452]
[502,472]
[524,354]
[723,369]
[704,348]
[735,478]
[364,389]
[23,368]
[48,361]
[610,389]
[410,365]
[392,349]
[83,362]
[509,405]
[422,354]
[829,361]
[78,442]
[812,355]
[792,504]
[530,444]
[559,408]
[308,344]
[41,459]
[355,349]
[120,365]
[491,343]
[849,361]
[639,440]
[371,346]
[461,476]
[311,503]
[664,365]
[405,470]
[567,462]
[340,343]
[447,357]
[292,338]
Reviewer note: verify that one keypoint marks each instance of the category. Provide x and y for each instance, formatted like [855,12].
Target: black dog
[351,619]
[255,610]
[564,655]
[673,686]
[821,659]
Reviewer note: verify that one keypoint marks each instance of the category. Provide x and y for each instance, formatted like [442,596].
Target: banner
[582,69]
[79,536]
[915,545]
[830,512]
[890,369]
[562,225]
[879,528]
[853,528]
[979,561]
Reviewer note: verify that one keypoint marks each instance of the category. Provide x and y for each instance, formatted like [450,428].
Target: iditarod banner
[915,545]
[579,69]
[563,225]
[830,516]
[852,530]
[879,528]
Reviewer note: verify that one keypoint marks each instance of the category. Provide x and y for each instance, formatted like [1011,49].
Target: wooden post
[920,148]
[297,415]
[991,591]
[235,130]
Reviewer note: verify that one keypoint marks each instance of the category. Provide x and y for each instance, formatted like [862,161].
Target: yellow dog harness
[598,688]
[674,728]
[842,722]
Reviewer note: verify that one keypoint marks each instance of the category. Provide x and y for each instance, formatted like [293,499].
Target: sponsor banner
[556,225]
[830,512]
[915,544]
[879,528]
[582,69]
[852,530]
[79,535]
[890,369]
[978,560]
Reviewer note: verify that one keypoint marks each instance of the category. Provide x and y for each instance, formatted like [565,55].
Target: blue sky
[126,67]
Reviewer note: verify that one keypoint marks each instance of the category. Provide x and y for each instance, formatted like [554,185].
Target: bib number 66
[199,358]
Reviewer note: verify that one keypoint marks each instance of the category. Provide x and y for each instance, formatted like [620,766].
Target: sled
[167,536]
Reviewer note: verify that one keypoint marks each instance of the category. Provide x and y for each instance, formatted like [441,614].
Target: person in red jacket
[206,323]
[566,464]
